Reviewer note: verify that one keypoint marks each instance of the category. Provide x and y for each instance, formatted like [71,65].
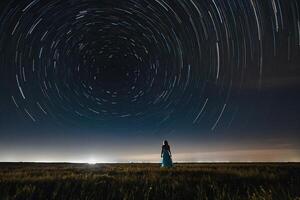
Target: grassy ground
[149,181]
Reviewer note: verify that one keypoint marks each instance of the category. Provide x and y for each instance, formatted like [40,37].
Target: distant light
[92,163]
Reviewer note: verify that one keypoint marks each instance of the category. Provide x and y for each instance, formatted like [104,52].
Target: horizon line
[144,162]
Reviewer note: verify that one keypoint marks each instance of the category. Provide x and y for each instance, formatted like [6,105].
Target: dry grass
[149,181]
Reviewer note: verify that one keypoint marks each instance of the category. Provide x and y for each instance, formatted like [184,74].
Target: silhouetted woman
[166,155]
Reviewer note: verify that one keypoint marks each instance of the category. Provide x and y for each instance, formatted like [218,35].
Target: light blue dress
[166,158]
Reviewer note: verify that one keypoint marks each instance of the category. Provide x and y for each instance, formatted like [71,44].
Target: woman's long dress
[166,158]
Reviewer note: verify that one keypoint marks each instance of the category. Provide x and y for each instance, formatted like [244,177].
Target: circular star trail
[144,63]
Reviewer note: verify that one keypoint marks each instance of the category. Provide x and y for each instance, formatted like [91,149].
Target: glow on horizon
[254,155]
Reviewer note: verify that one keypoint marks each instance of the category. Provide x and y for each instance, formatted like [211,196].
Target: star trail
[148,65]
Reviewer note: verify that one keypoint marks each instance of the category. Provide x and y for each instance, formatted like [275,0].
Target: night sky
[108,80]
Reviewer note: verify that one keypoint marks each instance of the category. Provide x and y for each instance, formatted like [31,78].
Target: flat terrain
[148,181]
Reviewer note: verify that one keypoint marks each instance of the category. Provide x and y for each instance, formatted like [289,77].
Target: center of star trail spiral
[151,62]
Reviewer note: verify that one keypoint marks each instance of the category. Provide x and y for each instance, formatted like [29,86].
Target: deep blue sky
[107,81]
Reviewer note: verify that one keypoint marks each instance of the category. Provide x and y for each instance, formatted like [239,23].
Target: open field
[148,181]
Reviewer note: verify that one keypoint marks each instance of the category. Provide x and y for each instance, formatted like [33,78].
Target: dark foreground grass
[148,181]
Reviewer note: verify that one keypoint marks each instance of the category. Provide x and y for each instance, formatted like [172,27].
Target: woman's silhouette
[166,155]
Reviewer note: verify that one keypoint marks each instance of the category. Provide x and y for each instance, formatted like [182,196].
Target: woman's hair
[166,143]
